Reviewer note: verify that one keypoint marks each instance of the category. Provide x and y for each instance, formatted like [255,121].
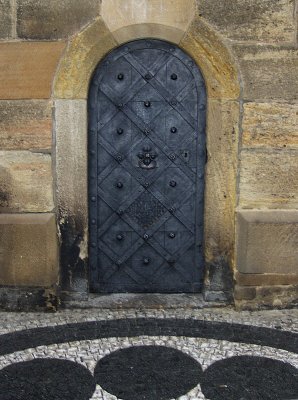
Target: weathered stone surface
[26,182]
[269,179]
[244,292]
[259,20]
[270,297]
[71,195]
[267,242]
[5,19]
[221,169]
[266,279]
[39,19]
[25,125]
[28,250]
[147,18]
[27,69]
[214,59]
[270,124]
[268,72]
[80,59]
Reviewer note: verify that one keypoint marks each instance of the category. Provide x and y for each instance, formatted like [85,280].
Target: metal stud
[120,105]
[92,152]
[120,211]
[93,244]
[173,102]
[120,77]
[174,77]
[120,236]
[146,184]
[172,157]
[146,131]
[146,261]
[147,104]
[171,261]
[148,76]
[146,236]
[93,198]
[173,129]
[172,210]
[119,157]
[172,235]
[173,183]
[119,185]
[93,221]
[119,131]
[202,107]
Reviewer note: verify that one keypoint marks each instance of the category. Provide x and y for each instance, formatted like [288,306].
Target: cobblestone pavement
[212,342]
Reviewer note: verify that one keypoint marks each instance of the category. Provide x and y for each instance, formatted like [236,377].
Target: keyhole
[185,154]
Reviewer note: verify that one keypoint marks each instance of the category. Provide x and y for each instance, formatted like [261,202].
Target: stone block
[268,178]
[244,292]
[55,19]
[27,69]
[270,297]
[26,182]
[268,21]
[25,125]
[270,125]
[213,58]
[80,59]
[221,167]
[267,242]
[5,19]
[119,14]
[266,279]
[268,72]
[28,250]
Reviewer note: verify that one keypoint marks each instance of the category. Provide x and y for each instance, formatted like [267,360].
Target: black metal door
[147,106]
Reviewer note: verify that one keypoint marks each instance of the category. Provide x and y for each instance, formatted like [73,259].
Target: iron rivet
[93,198]
[172,49]
[92,152]
[120,77]
[119,157]
[126,48]
[172,235]
[120,237]
[148,76]
[119,131]
[147,131]
[118,262]
[172,157]
[201,176]
[174,77]
[120,105]
[119,185]
[120,211]
[202,107]
[190,63]
[93,244]
[173,129]
[146,261]
[172,210]
[173,183]
[107,63]
[147,104]
[146,236]
[93,221]
[171,261]
[173,102]
[146,185]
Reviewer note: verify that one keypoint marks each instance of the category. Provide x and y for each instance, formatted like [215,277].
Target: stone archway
[70,92]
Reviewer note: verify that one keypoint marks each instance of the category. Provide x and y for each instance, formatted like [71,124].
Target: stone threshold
[118,301]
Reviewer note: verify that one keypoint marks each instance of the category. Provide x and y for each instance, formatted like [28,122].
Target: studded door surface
[146,107]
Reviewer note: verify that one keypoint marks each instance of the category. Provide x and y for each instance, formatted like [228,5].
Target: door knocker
[147,158]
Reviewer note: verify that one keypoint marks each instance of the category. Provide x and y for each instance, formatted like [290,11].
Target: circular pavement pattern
[43,379]
[148,373]
[153,371]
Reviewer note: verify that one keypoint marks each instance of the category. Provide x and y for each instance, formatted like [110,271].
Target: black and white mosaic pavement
[203,354]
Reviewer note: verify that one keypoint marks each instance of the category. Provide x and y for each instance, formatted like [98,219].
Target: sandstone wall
[47,53]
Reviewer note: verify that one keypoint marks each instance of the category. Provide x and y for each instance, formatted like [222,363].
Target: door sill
[116,301]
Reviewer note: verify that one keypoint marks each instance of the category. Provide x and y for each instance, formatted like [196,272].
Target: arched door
[147,106]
